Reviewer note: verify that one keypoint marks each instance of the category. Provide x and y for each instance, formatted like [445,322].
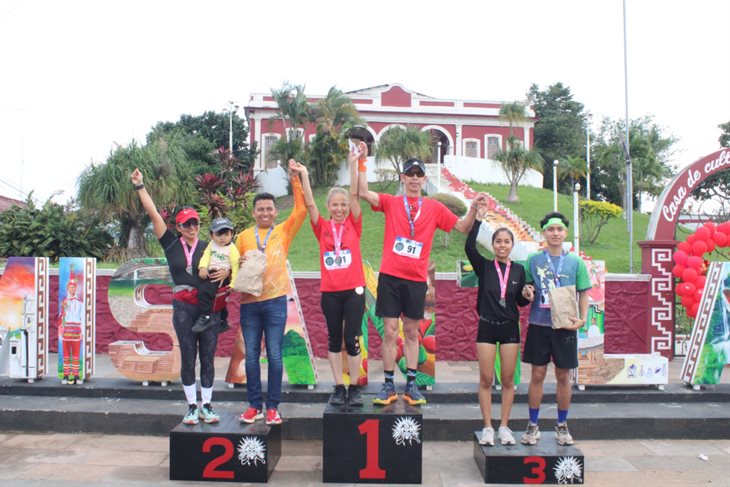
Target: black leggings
[193,345]
[347,305]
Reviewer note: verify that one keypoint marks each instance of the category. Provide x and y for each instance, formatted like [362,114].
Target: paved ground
[61,460]
[51,460]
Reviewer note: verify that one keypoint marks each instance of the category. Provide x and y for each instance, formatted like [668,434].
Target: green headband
[554,221]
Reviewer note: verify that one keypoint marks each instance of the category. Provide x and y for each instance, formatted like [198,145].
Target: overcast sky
[78,77]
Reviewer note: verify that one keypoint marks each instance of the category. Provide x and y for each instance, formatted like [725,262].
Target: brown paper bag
[249,278]
[563,306]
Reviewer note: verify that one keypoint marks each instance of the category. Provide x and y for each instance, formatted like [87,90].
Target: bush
[594,215]
[51,231]
[453,203]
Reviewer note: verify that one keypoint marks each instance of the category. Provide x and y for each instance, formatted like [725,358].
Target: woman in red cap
[183,254]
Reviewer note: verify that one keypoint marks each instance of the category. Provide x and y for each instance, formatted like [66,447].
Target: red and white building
[466,134]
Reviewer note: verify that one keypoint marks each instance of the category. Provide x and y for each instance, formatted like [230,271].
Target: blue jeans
[267,318]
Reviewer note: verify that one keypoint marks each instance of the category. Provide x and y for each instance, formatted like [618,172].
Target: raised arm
[353,159]
[476,259]
[362,176]
[158,224]
[301,170]
[466,222]
[299,212]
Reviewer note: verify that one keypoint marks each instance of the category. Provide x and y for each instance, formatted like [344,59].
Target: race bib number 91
[407,247]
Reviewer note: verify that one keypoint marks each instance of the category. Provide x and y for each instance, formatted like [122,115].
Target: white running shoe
[487,437]
[505,436]
[531,435]
[562,435]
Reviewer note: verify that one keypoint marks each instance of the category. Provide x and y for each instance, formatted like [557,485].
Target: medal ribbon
[258,242]
[556,275]
[337,237]
[412,221]
[189,252]
[503,279]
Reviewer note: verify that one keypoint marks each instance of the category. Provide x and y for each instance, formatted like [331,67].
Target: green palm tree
[574,169]
[513,112]
[399,144]
[334,116]
[515,162]
[106,188]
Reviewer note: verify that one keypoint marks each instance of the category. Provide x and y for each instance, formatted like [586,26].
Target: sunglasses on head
[414,173]
[192,223]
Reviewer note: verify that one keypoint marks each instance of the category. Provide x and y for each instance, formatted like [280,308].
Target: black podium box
[543,463]
[228,451]
[372,444]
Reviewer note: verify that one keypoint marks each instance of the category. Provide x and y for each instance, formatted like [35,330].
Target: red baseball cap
[186,214]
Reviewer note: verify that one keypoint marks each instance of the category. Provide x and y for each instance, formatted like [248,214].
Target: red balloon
[699,247]
[702,233]
[689,275]
[711,227]
[691,238]
[698,295]
[694,262]
[685,247]
[710,245]
[680,257]
[689,289]
[688,301]
[700,281]
[720,239]
[692,312]
[724,228]
[678,270]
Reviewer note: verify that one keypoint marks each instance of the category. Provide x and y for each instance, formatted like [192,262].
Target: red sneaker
[272,416]
[250,415]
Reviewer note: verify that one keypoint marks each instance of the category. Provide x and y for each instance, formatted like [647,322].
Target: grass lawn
[611,246]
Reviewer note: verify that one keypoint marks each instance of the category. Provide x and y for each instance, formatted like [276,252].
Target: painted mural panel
[426,370]
[24,294]
[709,349]
[132,310]
[296,348]
[595,367]
[76,319]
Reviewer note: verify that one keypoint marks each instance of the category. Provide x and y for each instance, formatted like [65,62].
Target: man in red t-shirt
[410,224]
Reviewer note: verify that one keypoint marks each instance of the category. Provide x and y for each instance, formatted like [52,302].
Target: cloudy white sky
[78,77]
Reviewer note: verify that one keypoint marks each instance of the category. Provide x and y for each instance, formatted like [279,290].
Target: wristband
[137,187]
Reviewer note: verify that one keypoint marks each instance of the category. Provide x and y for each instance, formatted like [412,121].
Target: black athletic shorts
[398,296]
[543,342]
[498,332]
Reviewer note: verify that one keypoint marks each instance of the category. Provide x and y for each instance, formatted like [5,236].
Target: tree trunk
[135,243]
[512,196]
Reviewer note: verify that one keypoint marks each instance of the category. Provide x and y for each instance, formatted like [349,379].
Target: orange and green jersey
[275,278]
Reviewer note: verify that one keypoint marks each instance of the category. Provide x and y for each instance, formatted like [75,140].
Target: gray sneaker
[531,435]
[563,435]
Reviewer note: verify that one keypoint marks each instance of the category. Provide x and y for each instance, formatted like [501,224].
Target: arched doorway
[439,146]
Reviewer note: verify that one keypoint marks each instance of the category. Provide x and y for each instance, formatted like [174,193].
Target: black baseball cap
[414,162]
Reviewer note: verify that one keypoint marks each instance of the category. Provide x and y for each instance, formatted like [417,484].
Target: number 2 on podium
[371,429]
[211,468]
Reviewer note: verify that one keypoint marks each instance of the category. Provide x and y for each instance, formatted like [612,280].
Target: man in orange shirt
[265,315]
